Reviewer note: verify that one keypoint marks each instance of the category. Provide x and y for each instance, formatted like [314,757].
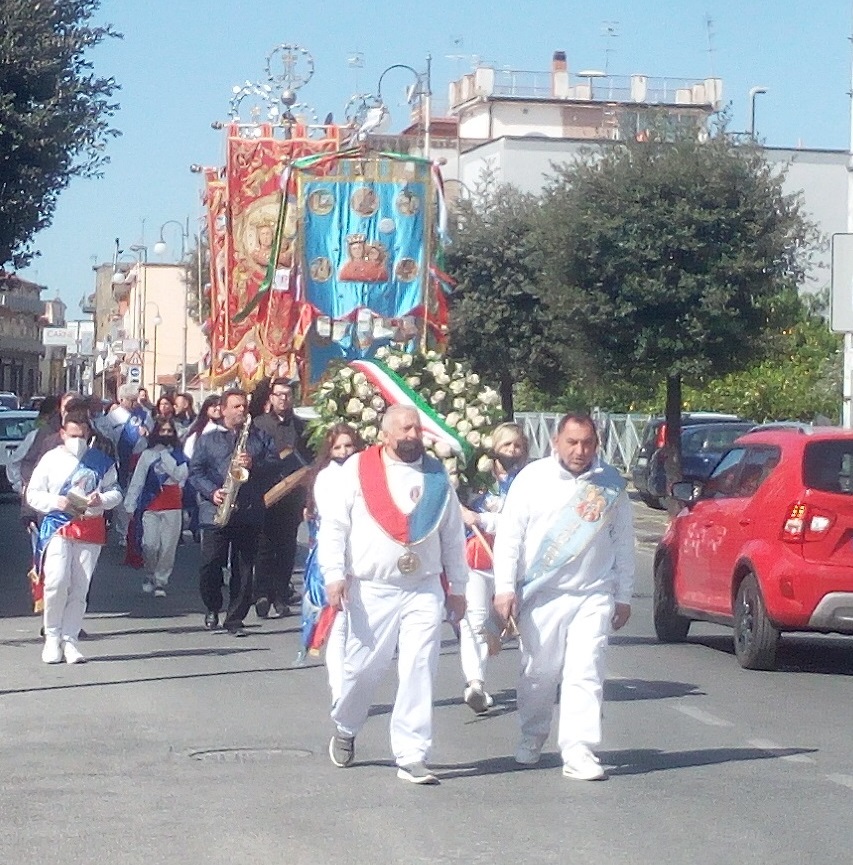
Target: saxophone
[236,477]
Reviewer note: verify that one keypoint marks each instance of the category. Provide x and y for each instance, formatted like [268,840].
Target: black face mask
[168,440]
[410,450]
[510,464]
[339,460]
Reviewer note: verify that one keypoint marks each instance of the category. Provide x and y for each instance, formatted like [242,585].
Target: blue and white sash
[574,528]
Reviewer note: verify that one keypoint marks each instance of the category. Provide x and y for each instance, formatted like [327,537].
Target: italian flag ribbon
[394,390]
[403,528]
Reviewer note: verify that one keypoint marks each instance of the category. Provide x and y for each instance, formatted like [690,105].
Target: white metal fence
[620,434]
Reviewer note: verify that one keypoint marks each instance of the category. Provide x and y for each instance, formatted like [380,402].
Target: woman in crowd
[154,497]
[208,418]
[339,443]
[165,407]
[509,454]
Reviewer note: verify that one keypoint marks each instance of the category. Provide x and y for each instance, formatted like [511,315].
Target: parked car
[702,445]
[14,426]
[764,545]
[9,400]
[653,438]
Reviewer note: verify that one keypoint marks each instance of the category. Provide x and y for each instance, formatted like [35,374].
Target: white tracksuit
[479,593]
[325,490]
[68,564]
[161,529]
[564,625]
[386,609]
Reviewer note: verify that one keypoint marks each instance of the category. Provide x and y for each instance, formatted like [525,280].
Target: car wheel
[652,502]
[670,626]
[755,636]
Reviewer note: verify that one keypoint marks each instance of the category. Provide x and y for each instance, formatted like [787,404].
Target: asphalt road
[175,745]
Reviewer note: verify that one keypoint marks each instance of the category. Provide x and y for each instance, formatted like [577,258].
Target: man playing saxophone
[231,469]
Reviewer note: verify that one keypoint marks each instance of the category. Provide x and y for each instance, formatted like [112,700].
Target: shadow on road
[622,690]
[644,761]
[798,654]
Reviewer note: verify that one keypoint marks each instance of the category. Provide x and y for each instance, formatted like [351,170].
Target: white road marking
[779,751]
[703,717]
[844,780]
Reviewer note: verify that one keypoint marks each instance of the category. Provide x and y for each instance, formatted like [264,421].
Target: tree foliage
[673,259]
[54,112]
[497,321]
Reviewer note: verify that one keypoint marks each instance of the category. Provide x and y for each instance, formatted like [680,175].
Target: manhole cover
[247,755]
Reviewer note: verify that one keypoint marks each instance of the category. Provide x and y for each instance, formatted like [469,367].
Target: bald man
[384,542]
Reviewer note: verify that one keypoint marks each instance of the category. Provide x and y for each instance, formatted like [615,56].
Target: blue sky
[179,60]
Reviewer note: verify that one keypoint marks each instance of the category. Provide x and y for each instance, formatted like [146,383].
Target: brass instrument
[236,477]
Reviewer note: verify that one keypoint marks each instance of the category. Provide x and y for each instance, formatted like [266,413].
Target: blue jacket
[209,466]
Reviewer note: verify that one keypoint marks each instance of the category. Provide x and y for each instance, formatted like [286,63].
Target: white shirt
[539,492]
[351,542]
[51,473]
[175,475]
[190,440]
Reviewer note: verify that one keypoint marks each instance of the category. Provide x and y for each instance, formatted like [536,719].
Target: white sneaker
[581,764]
[147,587]
[72,654]
[529,750]
[52,651]
[476,698]
[159,592]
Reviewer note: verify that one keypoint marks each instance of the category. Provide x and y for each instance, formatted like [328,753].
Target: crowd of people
[544,554]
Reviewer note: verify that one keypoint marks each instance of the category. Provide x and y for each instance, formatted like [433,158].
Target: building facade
[21,349]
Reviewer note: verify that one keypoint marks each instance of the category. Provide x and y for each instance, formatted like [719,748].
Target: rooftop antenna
[709,28]
[355,60]
[610,31]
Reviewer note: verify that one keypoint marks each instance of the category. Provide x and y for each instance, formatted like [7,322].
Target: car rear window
[16,429]
[828,466]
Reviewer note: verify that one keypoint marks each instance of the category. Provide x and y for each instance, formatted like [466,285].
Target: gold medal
[408,563]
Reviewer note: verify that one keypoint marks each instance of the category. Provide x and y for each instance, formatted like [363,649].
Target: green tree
[497,322]
[674,259]
[54,113]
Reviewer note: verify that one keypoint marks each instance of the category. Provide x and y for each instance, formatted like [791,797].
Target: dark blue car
[702,446]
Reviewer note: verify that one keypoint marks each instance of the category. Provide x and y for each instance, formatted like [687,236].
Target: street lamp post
[156,321]
[422,89]
[142,251]
[754,92]
[160,247]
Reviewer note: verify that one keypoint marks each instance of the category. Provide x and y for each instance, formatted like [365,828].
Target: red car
[765,544]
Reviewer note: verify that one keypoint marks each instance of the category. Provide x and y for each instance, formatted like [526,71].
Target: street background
[175,744]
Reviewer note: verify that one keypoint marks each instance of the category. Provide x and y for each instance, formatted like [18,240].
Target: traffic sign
[134,374]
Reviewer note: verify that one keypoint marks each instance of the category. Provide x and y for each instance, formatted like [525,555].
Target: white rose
[442,449]
[369,433]
[406,361]
[363,391]
[459,403]
[487,442]
[378,403]
[464,426]
[431,355]
[478,421]
[413,381]
[457,367]
[382,353]
[443,378]
[346,372]
[332,406]
[484,464]
[359,378]
[450,465]
[437,397]
[471,412]
[457,387]
[327,387]
[394,363]
[368,415]
[473,438]
[452,419]
[473,378]
[354,407]
[490,397]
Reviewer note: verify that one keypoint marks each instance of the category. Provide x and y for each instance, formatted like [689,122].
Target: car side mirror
[686,491]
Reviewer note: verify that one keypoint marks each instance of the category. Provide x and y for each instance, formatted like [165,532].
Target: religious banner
[365,234]
[258,344]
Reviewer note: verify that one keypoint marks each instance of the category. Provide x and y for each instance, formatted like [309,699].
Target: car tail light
[805,523]
[660,439]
